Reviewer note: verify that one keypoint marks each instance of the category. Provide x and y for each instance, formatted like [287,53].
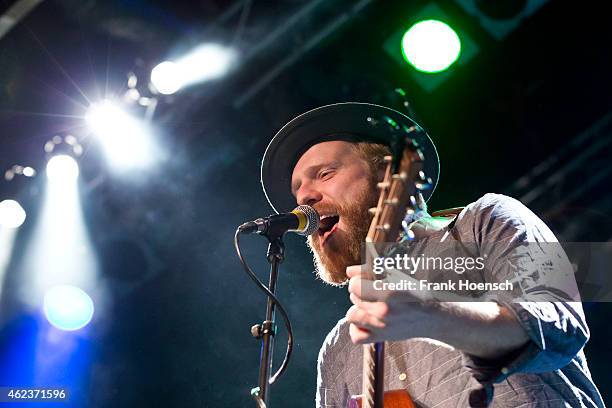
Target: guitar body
[392,399]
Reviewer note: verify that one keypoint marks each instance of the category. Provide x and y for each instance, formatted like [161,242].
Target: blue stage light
[68,307]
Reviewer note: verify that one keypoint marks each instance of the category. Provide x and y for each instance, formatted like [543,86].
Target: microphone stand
[266,330]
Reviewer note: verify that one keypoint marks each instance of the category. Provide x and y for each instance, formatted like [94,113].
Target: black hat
[351,121]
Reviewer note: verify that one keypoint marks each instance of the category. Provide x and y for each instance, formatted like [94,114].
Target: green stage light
[431,46]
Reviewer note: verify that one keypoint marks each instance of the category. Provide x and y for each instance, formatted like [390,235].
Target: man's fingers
[354,270]
[363,319]
[367,290]
[354,285]
[359,335]
[380,310]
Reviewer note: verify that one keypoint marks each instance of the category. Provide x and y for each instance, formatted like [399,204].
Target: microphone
[303,220]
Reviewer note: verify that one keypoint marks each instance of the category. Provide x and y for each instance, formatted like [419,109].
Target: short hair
[373,154]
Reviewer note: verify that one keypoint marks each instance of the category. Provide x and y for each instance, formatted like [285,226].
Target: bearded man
[444,354]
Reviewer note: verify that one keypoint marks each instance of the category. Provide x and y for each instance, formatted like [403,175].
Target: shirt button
[402,376]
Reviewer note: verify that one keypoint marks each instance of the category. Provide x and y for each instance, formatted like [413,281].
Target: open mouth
[328,225]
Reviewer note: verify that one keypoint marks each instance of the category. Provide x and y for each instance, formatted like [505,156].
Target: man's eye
[326,173]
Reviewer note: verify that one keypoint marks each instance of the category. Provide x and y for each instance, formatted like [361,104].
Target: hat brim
[351,121]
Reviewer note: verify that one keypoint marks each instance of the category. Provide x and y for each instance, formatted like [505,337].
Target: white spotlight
[166,77]
[206,62]
[29,172]
[105,118]
[209,61]
[62,169]
[12,214]
[124,139]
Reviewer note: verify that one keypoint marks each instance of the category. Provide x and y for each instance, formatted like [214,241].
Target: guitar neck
[373,387]
[396,193]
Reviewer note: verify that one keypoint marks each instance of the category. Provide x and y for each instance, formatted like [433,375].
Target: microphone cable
[274,299]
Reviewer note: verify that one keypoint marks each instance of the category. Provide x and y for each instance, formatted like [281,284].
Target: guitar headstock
[403,180]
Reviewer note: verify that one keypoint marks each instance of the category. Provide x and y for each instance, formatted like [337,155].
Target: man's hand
[483,329]
[380,315]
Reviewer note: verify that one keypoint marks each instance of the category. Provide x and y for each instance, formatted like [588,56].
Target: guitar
[403,179]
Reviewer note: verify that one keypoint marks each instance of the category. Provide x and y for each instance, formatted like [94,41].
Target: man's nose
[308,195]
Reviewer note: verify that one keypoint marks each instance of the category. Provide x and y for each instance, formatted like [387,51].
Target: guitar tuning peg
[383,185]
[413,201]
[409,130]
[410,235]
[373,210]
[392,201]
[423,182]
[424,185]
[388,159]
[385,227]
[401,176]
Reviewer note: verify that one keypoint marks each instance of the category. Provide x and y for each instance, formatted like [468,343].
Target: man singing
[444,354]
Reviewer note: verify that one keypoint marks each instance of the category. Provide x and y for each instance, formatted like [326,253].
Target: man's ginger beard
[343,248]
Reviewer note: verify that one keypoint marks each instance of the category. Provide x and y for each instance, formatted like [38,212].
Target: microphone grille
[313,219]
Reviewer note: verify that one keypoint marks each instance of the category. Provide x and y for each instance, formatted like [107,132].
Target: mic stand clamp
[267,329]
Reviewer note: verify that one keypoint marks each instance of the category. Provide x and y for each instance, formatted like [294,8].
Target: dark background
[176,329]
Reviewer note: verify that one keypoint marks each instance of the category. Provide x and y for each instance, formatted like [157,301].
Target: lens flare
[126,140]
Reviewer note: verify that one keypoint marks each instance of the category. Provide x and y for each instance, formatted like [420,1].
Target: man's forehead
[322,152]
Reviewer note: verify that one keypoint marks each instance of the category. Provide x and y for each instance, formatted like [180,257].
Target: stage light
[68,307]
[29,172]
[207,62]
[166,78]
[59,251]
[7,242]
[62,169]
[18,170]
[18,189]
[431,46]
[12,214]
[124,139]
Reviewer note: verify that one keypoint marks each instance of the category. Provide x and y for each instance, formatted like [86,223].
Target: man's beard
[343,249]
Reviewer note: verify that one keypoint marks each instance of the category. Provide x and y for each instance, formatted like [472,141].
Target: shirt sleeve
[324,396]
[519,246]
[330,367]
